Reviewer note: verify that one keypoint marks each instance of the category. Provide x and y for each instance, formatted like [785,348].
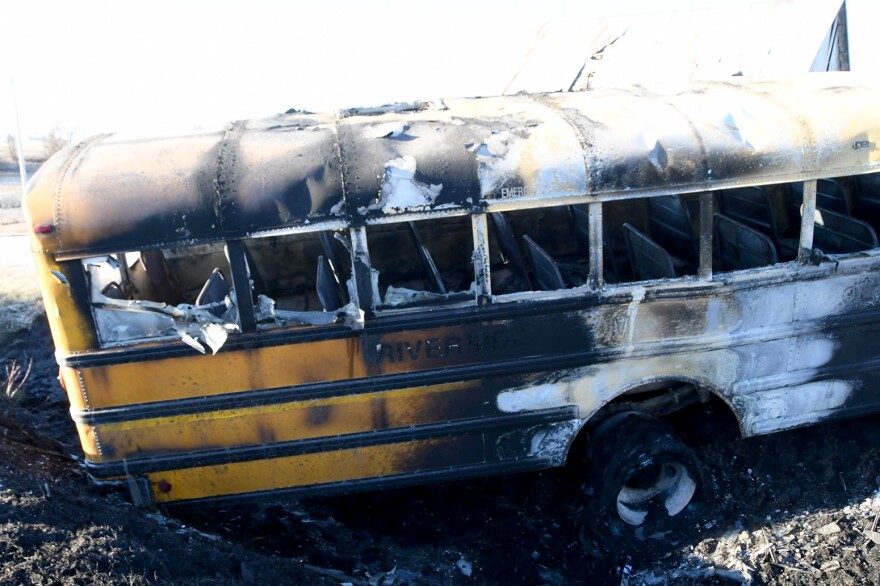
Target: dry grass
[10,195]
[10,181]
[20,301]
[11,214]
[13,385]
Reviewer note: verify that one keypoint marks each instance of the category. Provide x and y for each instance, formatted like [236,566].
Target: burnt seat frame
[547,273]
[740,247]
[580,217]
[328,288]
[648,259]
[430,268]
[830,195]
[669,222]
[751,206]
[509,250]
[868,199]
[838,234]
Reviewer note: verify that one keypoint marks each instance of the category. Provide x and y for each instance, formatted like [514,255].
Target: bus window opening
[299,279]
[156,293]
[419,263]
[539,250]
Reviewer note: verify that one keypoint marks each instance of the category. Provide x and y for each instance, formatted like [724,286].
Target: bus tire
[643,478]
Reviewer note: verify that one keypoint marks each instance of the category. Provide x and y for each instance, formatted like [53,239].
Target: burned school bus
[328,303]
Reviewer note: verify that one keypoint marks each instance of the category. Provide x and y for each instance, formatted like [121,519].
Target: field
[10,203]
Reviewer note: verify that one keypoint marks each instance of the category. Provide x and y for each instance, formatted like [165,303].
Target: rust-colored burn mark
[688,317]
[352,347]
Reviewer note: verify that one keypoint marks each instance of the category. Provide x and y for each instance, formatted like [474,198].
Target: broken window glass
[144,295]
[422,263]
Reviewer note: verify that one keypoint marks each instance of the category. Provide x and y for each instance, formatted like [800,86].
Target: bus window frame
[241,286]
[596,282]
[808,215]
[364,289]
[366,277]
[95,305]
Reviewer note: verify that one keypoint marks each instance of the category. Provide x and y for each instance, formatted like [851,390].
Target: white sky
[98,66]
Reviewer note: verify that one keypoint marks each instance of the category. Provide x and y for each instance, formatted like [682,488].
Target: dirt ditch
[793,508]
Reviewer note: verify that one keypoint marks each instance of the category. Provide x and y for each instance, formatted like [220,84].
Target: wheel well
[697,413]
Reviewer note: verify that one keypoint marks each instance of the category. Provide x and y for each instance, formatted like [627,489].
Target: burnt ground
[791,508]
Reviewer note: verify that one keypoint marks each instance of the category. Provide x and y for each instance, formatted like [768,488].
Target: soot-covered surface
[790,508]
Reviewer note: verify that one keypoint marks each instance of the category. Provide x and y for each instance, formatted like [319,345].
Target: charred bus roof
[303,172]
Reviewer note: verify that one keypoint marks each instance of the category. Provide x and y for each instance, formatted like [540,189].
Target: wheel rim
[667,486]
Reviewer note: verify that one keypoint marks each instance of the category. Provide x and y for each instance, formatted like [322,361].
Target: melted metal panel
[298,172]
[279,173]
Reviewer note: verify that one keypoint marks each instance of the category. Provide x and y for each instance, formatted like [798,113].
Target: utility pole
[22,169]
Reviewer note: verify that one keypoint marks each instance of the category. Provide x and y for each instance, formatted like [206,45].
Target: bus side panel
[834,359]
[783,346]
[397,397]
[183,421]
[291,421]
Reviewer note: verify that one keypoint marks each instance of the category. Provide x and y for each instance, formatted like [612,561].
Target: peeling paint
[638,295]
[267,315]
[401,190]
[778,409]
[553,442]
[397,296]
[386,130]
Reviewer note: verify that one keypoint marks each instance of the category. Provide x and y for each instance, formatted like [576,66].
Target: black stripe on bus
[217,457]
[320,390]
[529,464]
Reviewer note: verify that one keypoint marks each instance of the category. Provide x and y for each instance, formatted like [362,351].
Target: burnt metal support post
[808,220]
[431,272]
[482,275]
[241,284]
[597,279]
[22,165]
[362,272]
[706,234]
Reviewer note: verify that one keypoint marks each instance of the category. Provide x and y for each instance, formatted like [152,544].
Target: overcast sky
[98,66]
